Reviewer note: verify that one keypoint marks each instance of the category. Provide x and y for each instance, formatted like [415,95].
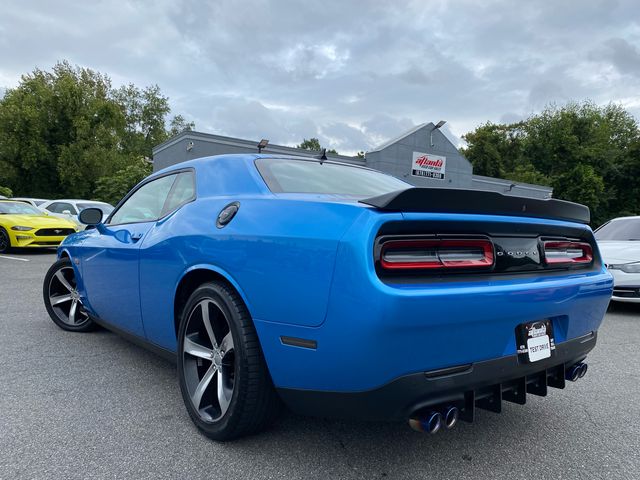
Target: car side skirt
[141,342]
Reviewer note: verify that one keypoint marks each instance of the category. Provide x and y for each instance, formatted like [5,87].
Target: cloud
[352,74]
[620,54]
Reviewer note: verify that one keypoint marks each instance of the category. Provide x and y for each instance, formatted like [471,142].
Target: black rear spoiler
[451,200]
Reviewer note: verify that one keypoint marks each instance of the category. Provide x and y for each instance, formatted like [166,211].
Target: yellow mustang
[22,225]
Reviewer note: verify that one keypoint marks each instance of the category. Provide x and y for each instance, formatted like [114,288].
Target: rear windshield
[311,176]
[18,208]
[624,229]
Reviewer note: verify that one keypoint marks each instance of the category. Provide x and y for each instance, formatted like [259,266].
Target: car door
[111,254]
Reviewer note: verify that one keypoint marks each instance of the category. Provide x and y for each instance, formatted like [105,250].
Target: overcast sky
[350,73]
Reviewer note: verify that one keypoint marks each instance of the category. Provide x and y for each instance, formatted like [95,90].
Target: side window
[145,204]
[182,192]
[60,207]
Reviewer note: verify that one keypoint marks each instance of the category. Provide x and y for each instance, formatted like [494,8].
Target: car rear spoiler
[451,200]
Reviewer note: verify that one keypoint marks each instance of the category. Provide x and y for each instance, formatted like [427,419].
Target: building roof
[250,145]
[400,137]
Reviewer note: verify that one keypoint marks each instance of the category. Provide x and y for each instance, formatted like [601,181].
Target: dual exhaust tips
[434,421]
[579,370]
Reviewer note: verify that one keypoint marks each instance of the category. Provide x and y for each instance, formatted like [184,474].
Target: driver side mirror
[91,216]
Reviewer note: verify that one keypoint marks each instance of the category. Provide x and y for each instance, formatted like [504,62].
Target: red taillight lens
[565,252]
[436,254]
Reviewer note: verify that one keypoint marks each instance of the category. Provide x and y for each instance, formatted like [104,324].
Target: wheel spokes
[58,299]
[72,312]
[63,281]
[224,393]
[226,345]
[206,321]
[196,350]
[196,398]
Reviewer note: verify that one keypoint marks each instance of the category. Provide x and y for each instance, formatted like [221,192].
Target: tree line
[69,133]
[589,154]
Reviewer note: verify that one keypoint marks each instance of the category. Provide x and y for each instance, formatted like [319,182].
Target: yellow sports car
[22,225]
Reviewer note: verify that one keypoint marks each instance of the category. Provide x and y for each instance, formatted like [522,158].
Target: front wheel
[223,377]
[5,241]
[62,300]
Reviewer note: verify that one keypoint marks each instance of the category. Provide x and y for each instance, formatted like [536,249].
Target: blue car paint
[303,264]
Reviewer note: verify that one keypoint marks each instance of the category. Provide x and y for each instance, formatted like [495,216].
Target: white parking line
[15,258]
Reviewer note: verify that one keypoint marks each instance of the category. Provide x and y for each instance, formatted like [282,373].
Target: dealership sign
[428,165]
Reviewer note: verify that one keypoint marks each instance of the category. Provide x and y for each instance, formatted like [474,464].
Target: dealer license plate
[534,341]
[539,348]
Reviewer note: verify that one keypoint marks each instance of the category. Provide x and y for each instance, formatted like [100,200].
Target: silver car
[619,242]
[70,209]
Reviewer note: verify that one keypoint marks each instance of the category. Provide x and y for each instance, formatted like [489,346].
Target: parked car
[619,241]
[337,289]
[24,226]
[71,208]
[36,202]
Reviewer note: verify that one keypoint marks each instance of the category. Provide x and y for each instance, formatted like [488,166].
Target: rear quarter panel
[280,254]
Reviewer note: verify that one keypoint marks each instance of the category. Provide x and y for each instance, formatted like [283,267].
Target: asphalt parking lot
[96,406]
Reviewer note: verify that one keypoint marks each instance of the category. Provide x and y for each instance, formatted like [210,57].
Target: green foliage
[588,154]
[314,144]
[64,130]
[113,188]
[311,144]
[5,191]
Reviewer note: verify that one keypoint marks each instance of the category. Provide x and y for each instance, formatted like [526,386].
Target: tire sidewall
[217,429]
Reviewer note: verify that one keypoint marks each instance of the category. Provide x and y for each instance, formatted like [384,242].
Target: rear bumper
[481,384]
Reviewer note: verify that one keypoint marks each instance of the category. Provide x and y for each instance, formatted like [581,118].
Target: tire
[5,241]
[223,377]
[62,300]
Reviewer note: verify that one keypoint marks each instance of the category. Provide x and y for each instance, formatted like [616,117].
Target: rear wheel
[5,241]
[223,377]
[62,300]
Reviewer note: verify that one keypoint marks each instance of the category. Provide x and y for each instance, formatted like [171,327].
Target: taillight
[436,254]
[567,252]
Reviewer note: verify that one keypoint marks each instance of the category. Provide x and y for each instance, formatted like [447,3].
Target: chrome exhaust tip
[574,372]
[583,370]
[450,416]
[430,423]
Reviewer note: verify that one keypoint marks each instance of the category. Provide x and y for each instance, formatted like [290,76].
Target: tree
[113,188]
[61,131]
[314,144]
[5,192]
[587,153]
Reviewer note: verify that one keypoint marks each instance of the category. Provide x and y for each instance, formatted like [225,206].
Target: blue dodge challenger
[336,290]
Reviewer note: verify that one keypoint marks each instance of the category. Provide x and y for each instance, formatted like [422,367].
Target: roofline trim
[243,143]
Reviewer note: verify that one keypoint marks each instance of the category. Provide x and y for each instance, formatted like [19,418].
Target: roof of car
[76,200]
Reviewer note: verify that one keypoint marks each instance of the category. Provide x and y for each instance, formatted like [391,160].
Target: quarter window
[183,191]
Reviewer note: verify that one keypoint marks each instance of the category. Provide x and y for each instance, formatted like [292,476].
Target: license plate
[535,341]
[539,348]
